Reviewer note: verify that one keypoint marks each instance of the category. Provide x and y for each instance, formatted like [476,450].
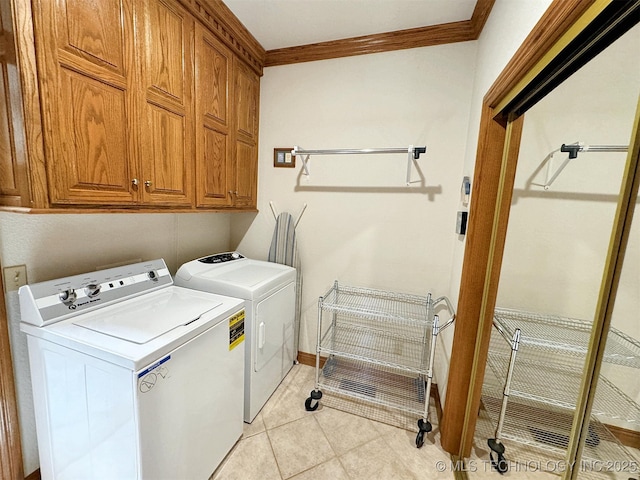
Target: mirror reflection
[560,223]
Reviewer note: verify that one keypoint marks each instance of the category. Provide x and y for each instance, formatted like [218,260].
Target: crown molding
[441,34]
[221,20]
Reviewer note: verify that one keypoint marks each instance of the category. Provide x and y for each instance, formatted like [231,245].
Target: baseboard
[310,359]
[629,438]
[34,475]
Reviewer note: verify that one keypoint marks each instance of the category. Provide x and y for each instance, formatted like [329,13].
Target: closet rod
[572,149]
[412,152]
[416,151]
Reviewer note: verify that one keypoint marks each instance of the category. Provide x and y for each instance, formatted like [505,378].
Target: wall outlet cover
[14,277]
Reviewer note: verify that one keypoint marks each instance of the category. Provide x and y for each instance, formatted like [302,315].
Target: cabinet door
[12,177]
[247,95]
[166,136]
[88,100]
[246,174]
[214,149]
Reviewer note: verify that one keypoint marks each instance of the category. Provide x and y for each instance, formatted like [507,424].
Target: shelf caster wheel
[311,404]
[499,463]
[593,440]
[424,426]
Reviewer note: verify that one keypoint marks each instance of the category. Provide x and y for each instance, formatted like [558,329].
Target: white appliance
[269,291]
[133,377]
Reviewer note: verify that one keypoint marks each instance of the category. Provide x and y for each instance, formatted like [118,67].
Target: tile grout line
[266,431]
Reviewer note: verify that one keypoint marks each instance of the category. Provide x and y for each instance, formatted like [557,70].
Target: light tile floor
[287,442]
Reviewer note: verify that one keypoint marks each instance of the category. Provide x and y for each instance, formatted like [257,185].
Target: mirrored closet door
[570,169]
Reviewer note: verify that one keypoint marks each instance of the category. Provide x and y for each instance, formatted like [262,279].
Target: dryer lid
[248,275]
[149,316]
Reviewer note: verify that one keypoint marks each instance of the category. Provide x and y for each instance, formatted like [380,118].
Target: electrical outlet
[14,277]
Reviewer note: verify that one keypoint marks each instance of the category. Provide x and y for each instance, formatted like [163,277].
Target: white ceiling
[288,23]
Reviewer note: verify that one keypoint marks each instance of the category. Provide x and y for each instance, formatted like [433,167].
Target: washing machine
[133,377]
[269,292]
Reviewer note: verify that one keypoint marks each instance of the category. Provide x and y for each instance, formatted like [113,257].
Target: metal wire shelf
[380,347]
[559,385]
[395,349]
[568,336]
[529,455]
[533,382]
[546,429]
[376,304]
[375,384]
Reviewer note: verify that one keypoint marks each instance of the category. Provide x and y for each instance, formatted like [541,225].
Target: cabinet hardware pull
[134,182]
[147,183]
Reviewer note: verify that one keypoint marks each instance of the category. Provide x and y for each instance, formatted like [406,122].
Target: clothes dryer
[269,292]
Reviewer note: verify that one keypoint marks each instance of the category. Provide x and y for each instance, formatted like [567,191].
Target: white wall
[53,246]
[363,226]
[508,25]
[557,239]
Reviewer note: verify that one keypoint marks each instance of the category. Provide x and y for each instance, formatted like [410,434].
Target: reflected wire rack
[380,348]
[568,336]
[533,381]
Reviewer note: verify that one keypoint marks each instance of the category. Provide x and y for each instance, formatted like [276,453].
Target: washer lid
[150,317]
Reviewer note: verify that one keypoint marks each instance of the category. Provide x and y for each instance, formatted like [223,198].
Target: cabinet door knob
[147,183]
[134,182]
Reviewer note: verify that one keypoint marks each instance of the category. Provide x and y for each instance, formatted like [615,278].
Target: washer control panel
[221,257]
[48,302]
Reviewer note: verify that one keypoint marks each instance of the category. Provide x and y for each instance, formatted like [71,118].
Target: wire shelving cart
[532,381]
[379,348]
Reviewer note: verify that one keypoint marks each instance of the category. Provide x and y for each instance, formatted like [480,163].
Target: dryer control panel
[54,300]
[221,257]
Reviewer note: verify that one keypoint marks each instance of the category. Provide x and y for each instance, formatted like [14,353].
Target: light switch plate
[14,277]
[461,223]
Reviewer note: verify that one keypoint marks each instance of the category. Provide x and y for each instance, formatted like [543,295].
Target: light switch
[461,223]
[14,277]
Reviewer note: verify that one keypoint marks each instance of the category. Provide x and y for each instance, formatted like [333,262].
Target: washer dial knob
[92,290]
[68,296]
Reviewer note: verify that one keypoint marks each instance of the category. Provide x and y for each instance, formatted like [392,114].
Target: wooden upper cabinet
[214,172]
[127,103]
[247,97]
[166,36]
[87,82]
